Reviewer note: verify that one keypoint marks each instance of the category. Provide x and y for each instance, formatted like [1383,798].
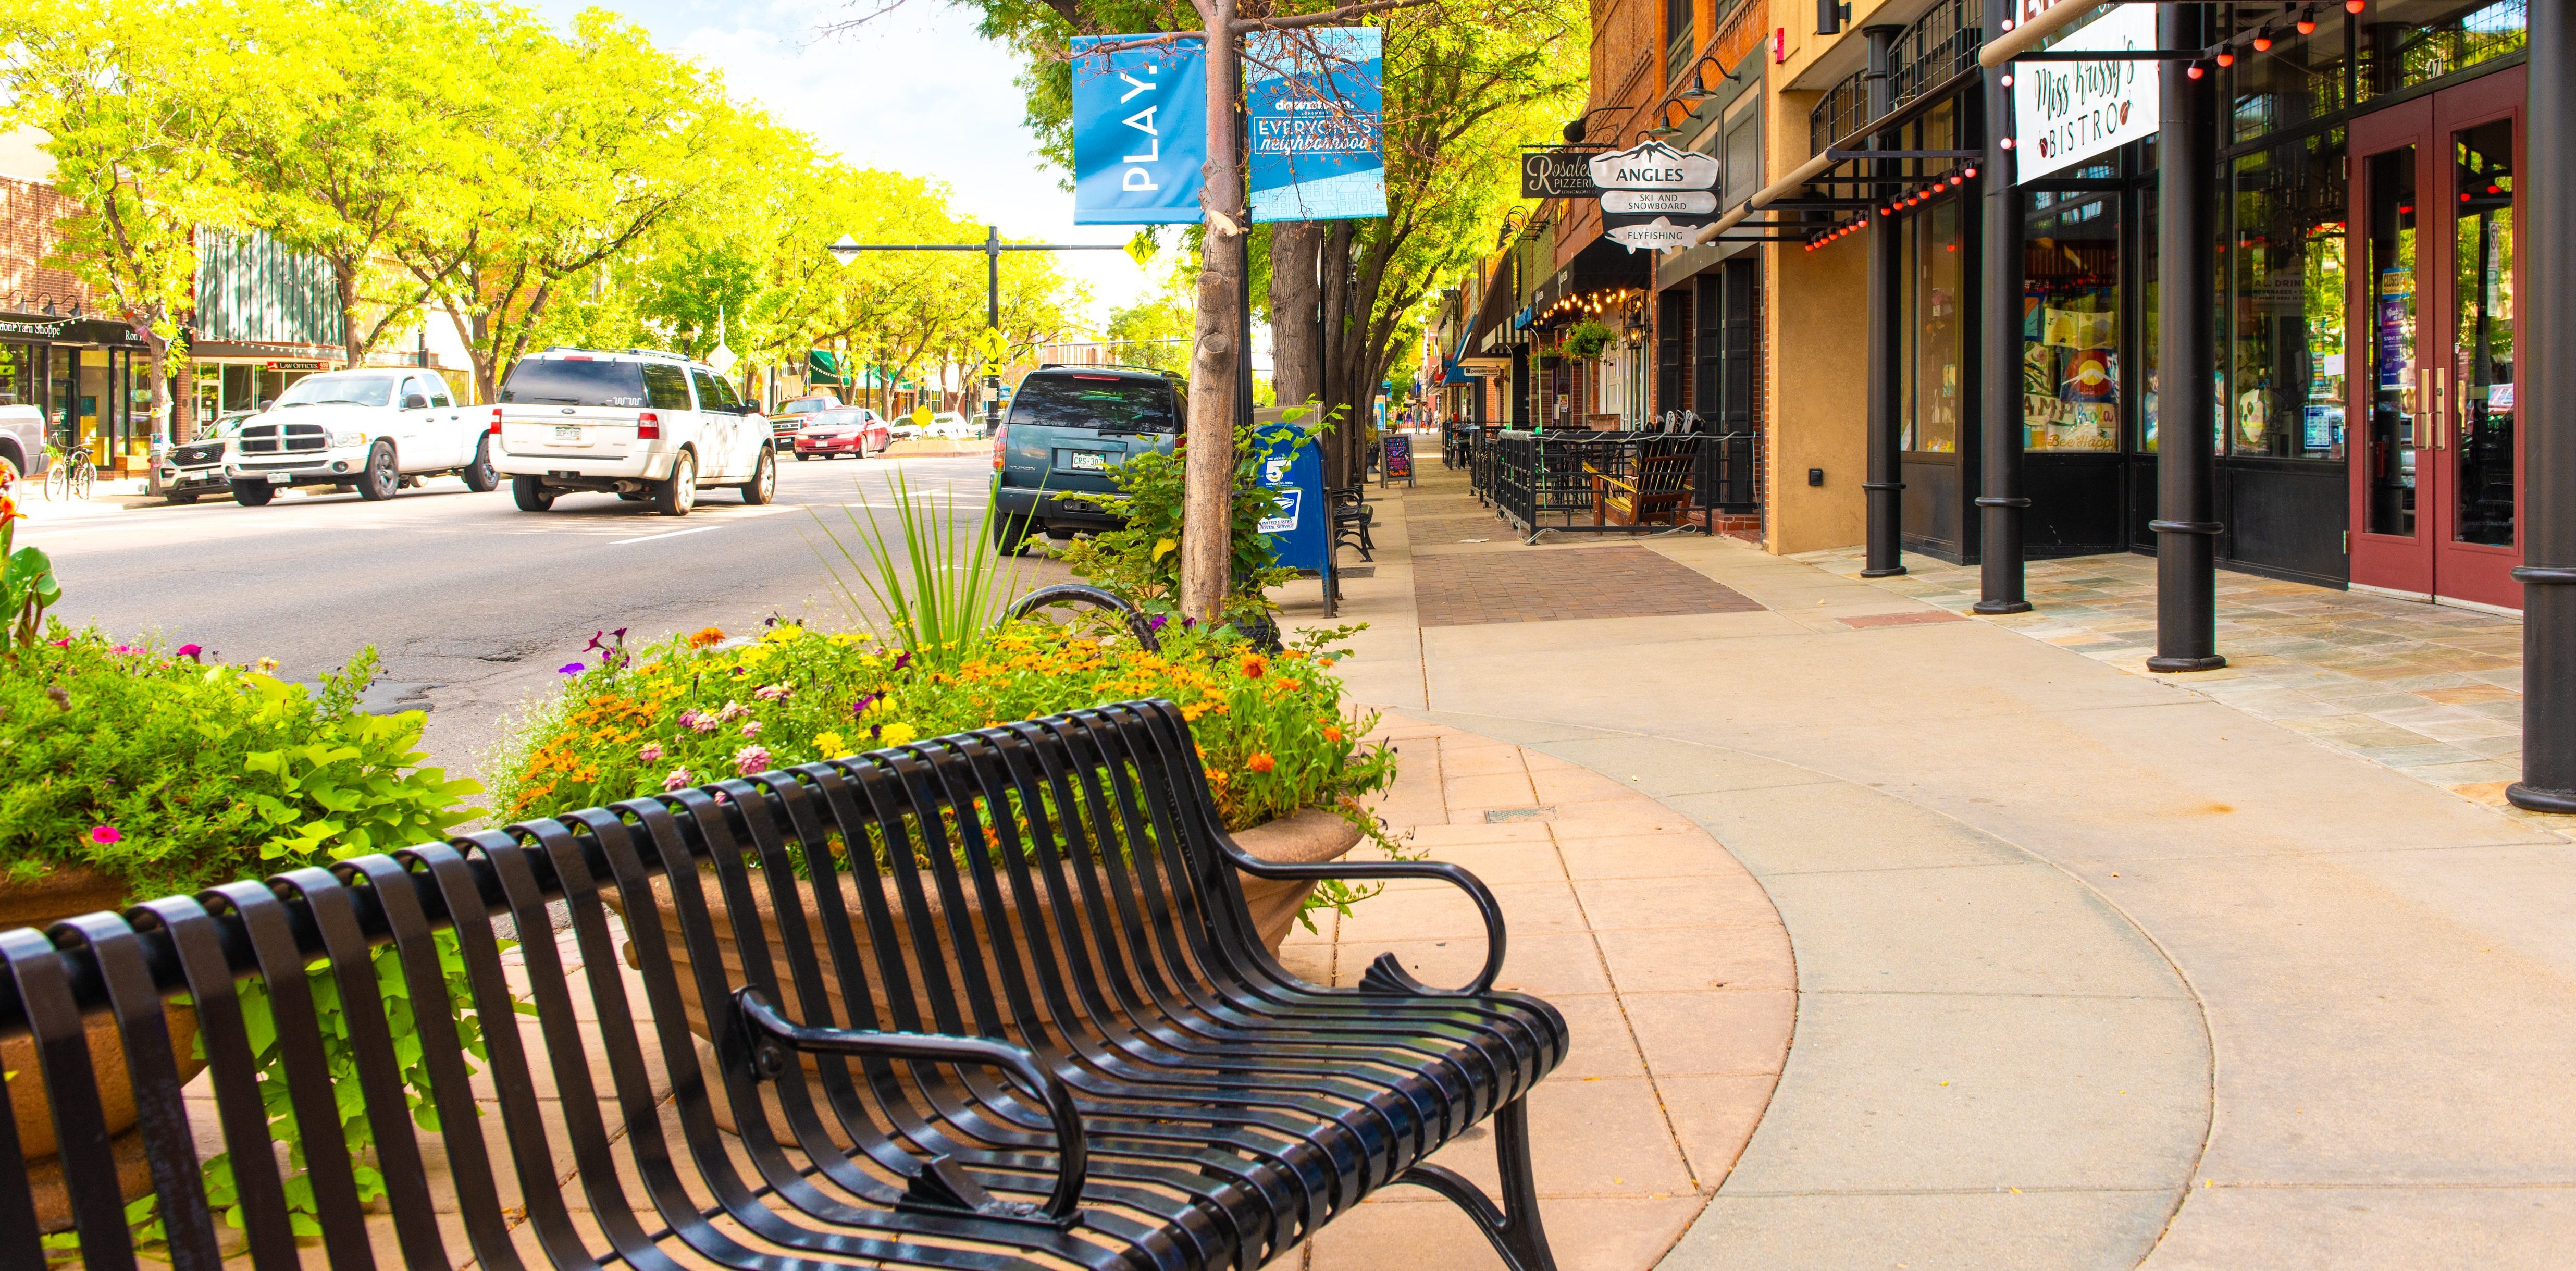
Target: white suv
[373,430]
[636,424]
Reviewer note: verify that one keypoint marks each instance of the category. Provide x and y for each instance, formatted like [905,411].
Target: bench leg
[1514,1226]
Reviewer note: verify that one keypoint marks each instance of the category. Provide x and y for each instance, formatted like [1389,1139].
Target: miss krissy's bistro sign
[2067,112]
[1645,187]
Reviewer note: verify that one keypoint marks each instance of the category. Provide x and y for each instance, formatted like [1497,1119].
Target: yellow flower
[784,633]
[843,639]
[831,745]
[755,655]
[897,734]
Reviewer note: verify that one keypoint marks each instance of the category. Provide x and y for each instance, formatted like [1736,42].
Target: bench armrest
[1385,974]
[942,1178]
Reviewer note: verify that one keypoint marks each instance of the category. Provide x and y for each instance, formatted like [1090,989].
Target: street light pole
[848,249]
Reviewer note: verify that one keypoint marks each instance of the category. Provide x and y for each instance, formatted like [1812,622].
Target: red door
[2436,499]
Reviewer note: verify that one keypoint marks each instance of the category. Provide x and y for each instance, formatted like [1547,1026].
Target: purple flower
[860,707]
[678,777]
[902,660]
[751,729]
[751,759]
[651,752]
[188,651]
[571,668]
[1156,622]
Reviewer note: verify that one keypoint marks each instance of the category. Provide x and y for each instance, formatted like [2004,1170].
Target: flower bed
[698,709]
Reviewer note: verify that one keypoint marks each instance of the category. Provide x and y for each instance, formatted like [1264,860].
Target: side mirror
[415,401]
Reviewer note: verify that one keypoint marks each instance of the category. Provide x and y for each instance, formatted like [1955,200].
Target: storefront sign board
[1559,172]
[1653,165]
[1659,202]
[1399,461]
[1139,129]
[1656,234]
[1314,105]
[2067,112]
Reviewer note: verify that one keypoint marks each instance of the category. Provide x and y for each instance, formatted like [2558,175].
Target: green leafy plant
[937,587]
[171,774]
[1140,562]
[27,586]
[1585,340]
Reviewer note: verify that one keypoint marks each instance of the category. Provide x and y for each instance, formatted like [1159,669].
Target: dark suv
[1068,428]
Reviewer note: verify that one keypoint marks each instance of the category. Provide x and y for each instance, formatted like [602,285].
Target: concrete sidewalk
[2092,970]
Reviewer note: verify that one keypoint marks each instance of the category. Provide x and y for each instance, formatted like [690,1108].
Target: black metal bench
[1128,1079]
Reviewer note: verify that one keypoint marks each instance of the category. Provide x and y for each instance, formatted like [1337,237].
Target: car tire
[678,493]
[480,476]
[179,500]
[531,494]
[1010,534]
[381,478]
[801,456]
[763,485]
[253,494]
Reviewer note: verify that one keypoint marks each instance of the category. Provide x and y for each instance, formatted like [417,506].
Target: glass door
[2436,503]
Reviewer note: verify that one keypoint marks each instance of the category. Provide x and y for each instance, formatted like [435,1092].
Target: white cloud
[914,91]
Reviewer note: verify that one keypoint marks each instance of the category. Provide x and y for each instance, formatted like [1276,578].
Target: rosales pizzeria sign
[2067,112]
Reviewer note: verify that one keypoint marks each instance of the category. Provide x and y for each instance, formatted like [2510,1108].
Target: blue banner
[1139,130]
[1316,110]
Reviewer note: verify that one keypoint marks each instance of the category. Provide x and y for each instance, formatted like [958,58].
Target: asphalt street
[472,604]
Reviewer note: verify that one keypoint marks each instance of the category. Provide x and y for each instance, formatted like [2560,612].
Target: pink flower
[678,777]
[732,711]
[771,693]
[123,648]
[698,722]
[188,651]
[105,834]
[751,759]
[751,729]
[652,751]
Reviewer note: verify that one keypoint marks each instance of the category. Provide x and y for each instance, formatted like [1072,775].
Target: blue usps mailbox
[1300,528]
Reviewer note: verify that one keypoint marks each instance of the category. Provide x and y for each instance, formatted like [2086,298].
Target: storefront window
[2071,321]
[2482,378]
[2393,400]
[2285,267]
[2403,43]
[2348,60]
[1929,406]
[21,379]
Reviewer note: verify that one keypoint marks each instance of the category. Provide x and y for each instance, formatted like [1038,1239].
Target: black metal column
[2186,467]
[2548,574]
[1885,485]
[1999,498]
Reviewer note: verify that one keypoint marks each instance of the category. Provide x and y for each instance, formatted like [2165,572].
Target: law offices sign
[2067,112]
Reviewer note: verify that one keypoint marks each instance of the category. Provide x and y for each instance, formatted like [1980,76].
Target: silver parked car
[22,443]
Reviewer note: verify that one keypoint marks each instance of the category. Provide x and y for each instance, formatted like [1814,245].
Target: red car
[853,431]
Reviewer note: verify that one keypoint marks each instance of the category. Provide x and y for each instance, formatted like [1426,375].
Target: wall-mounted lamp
[1831,15]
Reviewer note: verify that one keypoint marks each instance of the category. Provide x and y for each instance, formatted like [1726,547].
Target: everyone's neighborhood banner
[1139,129]
[2067,112]
[1315,106]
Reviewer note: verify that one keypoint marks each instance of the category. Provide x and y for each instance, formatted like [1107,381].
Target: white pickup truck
[371,430]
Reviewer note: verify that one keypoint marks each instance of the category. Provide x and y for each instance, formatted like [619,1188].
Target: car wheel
[180,500]
[531,494]
[677,495]
[381,478]
[801,456]
[253,494]
[763,485]
[1010,534]
[479,475]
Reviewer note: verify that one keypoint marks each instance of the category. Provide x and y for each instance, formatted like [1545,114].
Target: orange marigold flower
[1332,733]
[1261,762]
[1254,665]
[707,637]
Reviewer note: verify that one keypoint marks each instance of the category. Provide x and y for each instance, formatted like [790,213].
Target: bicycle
[69,476]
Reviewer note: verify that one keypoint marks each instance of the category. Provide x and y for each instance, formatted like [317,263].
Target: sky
[914,91]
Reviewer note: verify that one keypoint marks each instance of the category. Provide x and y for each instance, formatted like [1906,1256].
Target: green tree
[113,85]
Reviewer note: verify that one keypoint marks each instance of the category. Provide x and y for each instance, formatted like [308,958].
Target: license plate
[567,432]
[279,478]
[1087,461]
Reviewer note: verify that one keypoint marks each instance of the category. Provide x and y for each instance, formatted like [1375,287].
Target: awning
[823,368]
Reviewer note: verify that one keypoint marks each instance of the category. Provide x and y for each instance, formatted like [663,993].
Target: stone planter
[1308,836]
[67,893]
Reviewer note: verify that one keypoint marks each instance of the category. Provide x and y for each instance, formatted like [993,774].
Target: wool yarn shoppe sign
[2067,112]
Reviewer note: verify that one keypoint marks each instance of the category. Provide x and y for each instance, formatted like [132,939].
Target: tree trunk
[1207,514]
[344,283]
[1335,267]
[1296,298]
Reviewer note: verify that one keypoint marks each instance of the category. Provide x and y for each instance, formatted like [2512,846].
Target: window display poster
[2396,325]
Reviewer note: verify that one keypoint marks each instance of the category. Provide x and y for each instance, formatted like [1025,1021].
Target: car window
[412,387]
[569,382]
[438,392]
[666,387]
[1110,403]
[725,395]
[374,389]
[711,393]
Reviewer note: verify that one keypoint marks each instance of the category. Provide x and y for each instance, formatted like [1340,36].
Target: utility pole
[848,249]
